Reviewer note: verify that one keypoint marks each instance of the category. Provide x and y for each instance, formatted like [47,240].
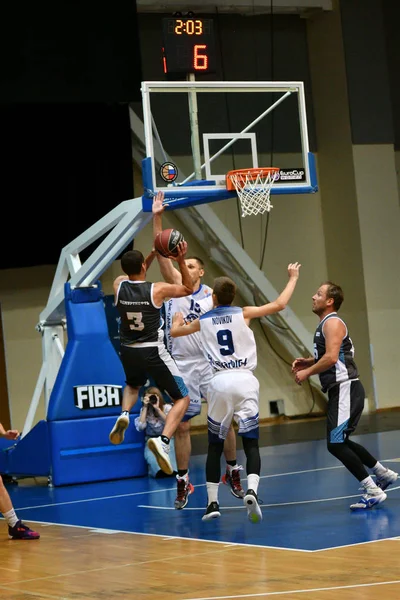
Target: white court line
[227,544]
[389,539]
[168,538]
[265,505]
[96,499]
[39,595]
[164,537]
[173,488]
[307,591]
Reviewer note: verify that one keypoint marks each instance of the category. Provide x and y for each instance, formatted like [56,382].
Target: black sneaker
[253,510]
[22,532]
[212,512]
[184,489]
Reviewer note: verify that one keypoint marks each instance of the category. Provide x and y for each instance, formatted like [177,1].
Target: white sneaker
[117,433]
[372,496]
[161,452]
[251,503]
[383,481]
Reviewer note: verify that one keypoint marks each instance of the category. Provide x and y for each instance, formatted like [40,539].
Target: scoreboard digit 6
[189,45]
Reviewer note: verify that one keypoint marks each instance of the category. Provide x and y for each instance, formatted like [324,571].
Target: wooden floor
[75,563]
[123,539]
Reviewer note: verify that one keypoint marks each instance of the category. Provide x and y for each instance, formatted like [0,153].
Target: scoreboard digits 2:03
[189,45]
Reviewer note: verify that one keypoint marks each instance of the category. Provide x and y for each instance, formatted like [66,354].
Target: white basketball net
[254,191]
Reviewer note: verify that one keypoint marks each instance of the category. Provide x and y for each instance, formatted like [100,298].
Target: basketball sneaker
[117,433]
[212,512]
[386,479]
[232,478]
[161,452]
[372,496]
[22,532]
[184,489]
[253,510]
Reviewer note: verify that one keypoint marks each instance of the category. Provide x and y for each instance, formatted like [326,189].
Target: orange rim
[250,173]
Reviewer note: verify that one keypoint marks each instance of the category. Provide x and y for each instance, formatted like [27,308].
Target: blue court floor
[305,496]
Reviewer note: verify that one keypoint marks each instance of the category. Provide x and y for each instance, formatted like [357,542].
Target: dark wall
[391,20]
[69,51]
[367,66]
[68,71]
[64,167]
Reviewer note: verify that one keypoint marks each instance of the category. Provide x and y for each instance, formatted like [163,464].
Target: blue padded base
[29,456]
[81,451]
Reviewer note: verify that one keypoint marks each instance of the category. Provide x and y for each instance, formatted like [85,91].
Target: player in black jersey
[143,352]
[334,362]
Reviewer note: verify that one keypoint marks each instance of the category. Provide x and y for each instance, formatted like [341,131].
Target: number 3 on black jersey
[136,318]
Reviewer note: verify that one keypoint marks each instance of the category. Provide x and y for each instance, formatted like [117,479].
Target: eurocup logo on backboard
[97,396]
[288,175]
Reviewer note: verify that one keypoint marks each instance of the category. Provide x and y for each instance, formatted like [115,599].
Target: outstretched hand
[158,204]
[181,252]
[294,269]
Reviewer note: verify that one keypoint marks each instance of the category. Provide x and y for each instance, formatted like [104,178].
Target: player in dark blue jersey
[334,362]
[143,352]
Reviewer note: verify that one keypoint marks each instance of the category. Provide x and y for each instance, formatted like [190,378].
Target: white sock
[379,469]
[212,492]
[252,482]
[368,482]
[11,517]
[125,412]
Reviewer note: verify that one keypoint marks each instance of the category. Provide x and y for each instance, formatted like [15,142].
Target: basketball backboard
[195,132]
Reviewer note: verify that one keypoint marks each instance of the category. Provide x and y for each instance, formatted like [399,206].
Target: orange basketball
[166,242]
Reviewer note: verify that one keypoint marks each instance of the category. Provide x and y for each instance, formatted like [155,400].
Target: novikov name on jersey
[238,363]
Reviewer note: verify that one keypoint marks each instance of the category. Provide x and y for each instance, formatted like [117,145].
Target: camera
[153,398]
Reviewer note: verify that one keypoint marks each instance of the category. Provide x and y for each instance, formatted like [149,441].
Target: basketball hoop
[253,187]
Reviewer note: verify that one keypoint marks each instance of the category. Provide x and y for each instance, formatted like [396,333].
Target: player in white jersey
[233,392]
[195,369]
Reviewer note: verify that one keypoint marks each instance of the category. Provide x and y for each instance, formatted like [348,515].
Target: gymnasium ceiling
[245,7]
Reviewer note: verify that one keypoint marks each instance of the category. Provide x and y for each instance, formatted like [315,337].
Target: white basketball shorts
[196,374]
[233,394]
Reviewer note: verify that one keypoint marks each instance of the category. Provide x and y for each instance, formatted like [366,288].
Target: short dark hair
[132,262]
[201,263]
[335,292]
[224,289]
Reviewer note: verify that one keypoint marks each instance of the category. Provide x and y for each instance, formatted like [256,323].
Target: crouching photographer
[151,420]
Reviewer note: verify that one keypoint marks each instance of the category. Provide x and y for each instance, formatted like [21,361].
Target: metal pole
[194,129]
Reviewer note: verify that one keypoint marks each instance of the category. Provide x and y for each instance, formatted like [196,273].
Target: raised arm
[254,312]
[162,291]
[168,271]
[149,258]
